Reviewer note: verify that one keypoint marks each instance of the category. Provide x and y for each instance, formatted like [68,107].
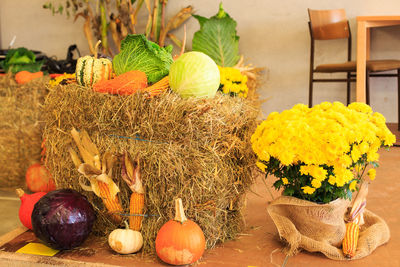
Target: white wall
[273,34]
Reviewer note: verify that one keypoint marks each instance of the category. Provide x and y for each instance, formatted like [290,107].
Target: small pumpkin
[180,241]
[90,70]
[38,179]
[125,241]
[27,204]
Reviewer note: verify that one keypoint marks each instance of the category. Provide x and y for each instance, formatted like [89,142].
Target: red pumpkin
[27,204]
[38,179]
[180,241]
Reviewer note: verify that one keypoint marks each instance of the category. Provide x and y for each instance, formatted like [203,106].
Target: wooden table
[364,25]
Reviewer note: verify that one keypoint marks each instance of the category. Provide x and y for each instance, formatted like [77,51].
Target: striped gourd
[349,245]
[90,70]
[136,210]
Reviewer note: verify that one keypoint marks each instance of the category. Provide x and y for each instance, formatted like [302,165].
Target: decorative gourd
[90,70]
[125,241]
[180,241]
[38,179]
[27,204]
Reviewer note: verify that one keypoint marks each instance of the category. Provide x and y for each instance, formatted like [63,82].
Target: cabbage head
[194,74]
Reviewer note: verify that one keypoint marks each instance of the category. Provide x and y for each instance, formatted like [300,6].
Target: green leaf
[375,164]
[288,191]
[31,67]
[200,19]
[60,9]
[278,184]
[138,53]
[217,38]
[21,59]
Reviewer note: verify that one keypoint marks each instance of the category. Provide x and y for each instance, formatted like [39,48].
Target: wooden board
[94,252]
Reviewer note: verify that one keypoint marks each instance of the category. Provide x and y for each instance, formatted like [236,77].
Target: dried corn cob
[350,240]
[136,208]
[131,174]
[97,173]
[111,203]
[349,244]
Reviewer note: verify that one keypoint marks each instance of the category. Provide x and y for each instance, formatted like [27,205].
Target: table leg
[361,60]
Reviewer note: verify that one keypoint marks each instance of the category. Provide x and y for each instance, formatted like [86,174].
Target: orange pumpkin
[180,241]
[38,179]
[27,204]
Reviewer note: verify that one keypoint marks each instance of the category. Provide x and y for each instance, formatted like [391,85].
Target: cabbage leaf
[217,38]
[138,53]
[21,59]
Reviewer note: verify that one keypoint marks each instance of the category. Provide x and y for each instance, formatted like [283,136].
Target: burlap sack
[321,227]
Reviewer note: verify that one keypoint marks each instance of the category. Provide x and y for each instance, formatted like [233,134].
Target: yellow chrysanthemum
[326,138]
[308,190]
[371,173]
[285,181]
[261,166]
[332,180]
[233,81]
[316,183]
[353,185]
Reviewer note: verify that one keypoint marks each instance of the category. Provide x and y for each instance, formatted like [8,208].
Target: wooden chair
[332,24]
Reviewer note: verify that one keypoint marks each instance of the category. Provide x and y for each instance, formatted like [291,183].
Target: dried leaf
[86,156]
[136,11]
[149,20]
[124,174]
[84,186]
[129,167]
[175,40]
[75,159]
[88,171]
[176,21]
[87,30]
[360,198]
[109,159]
[114,34]
[88,144]
[157,12]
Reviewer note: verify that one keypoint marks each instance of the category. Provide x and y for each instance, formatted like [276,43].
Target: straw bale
[195,149]
[20,128]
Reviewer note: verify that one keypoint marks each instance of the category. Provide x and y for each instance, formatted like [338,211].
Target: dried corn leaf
[176,21]
[88,171]
[75,158]
[86,156]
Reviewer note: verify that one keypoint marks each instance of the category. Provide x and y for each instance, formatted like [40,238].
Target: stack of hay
[195,149]
[20,128]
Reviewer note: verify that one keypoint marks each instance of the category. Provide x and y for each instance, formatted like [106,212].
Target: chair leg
[367,86]
[398,99]
[310,91]
[348,88]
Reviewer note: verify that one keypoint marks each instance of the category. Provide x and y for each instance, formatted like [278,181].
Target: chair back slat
[328,24]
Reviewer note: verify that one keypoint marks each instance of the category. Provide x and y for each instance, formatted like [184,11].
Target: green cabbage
[194,74]
[21,59]
[217,38]
[138,53]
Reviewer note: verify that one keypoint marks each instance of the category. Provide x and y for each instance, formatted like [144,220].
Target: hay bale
[195,149]
[20,128]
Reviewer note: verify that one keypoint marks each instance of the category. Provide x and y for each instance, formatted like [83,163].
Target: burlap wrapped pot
[321,227]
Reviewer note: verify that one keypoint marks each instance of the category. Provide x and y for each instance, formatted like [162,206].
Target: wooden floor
[257,246]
